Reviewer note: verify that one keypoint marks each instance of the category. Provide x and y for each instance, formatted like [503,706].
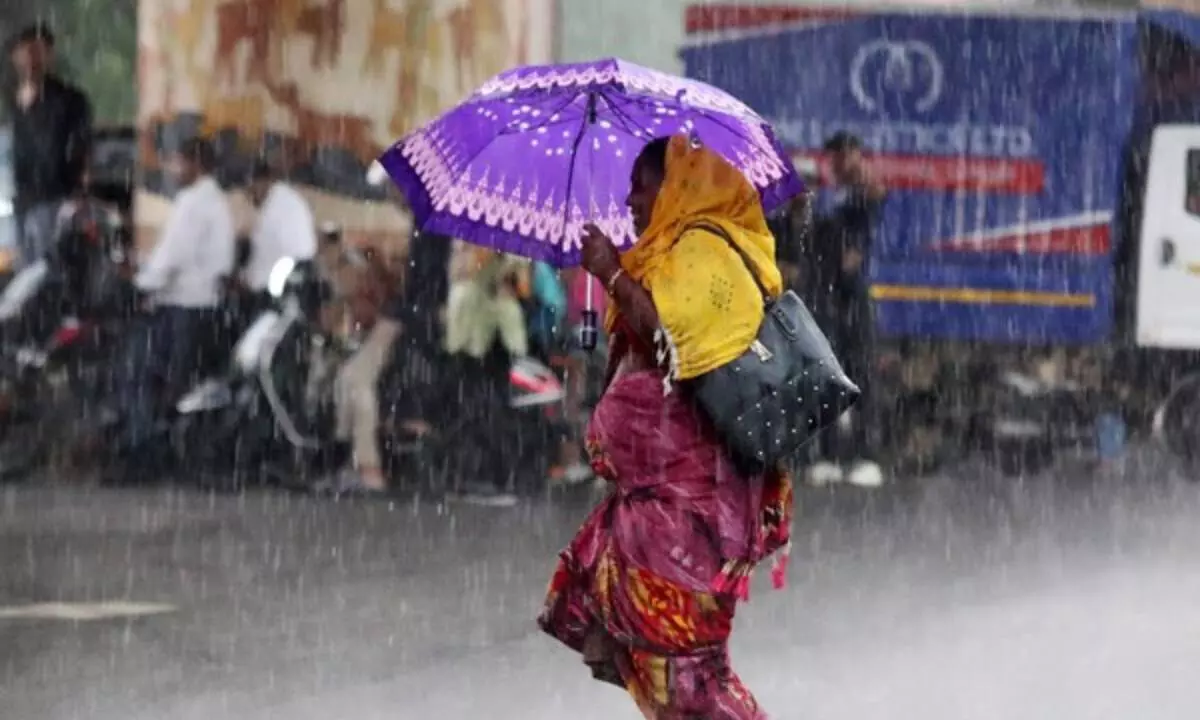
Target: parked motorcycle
[269,418]
[246,421]
[58,320]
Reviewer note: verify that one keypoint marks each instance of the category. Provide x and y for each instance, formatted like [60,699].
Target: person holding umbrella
[560,164]
[698,527]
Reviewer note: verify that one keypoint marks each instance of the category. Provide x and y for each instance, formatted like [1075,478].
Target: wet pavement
[966,597]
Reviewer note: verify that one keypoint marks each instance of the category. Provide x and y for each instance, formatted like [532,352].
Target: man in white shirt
[285,227]
[183,280]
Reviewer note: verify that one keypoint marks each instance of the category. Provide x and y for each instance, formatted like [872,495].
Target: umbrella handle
[589,329]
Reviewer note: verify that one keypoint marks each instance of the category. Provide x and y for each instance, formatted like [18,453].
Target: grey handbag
[782,391]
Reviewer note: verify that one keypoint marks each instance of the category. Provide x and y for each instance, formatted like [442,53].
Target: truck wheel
[1177,424]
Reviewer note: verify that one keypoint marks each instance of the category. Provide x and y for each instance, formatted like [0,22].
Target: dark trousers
[36,227]
[849,324]
[165,352]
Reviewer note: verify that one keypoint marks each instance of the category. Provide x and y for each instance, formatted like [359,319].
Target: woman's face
[643,191]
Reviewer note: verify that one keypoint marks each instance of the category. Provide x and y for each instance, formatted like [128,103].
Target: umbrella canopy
[538,152]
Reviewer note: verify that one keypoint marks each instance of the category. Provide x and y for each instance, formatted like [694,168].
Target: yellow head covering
[708,305]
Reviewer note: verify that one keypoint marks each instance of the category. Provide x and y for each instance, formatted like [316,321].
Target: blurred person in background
[183,279]
[545,313]
[792,228]
[356,387]
[331,256]
[336,270]
[483,305]
[52,125]
[285,228]
[839,293]
[548,335]
[427,283]
[584,370]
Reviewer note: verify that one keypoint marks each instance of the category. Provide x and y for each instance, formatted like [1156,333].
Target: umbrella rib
[589,117]
[623,117]
[511,129]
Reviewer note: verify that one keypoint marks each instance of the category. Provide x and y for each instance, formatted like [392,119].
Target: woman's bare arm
[617,347]
[637,308]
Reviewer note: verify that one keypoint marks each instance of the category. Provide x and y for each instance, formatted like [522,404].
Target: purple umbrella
[540,151]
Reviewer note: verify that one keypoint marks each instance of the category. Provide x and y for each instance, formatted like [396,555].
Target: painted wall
[324,87]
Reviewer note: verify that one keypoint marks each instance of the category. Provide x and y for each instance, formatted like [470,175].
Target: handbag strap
[720,232]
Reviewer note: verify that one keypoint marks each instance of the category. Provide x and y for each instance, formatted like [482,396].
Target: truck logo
[899,74]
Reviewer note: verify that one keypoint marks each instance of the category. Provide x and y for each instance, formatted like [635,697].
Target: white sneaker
[824,473]
[865,474]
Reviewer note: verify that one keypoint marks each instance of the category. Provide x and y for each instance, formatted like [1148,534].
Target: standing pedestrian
[792,228]
[426,285]
[285,228]
[183,279]
[839,294]
[51,139]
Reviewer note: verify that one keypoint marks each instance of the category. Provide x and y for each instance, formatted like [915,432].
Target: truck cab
[1168,280]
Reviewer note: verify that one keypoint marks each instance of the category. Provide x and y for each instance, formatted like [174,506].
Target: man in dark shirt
[427,283]
[839,294]
[51,139]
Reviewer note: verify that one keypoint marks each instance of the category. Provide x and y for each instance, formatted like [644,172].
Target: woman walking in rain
[646,591]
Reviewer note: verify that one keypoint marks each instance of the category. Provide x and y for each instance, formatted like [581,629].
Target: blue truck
[1043,166]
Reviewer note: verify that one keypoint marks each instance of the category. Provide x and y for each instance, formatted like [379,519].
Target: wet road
[961,600]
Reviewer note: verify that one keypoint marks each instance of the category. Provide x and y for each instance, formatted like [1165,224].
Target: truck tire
[1177,424]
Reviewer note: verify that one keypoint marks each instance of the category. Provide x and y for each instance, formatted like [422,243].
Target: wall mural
[322,85]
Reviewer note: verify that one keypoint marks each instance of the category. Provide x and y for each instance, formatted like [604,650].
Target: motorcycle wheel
[28,444]
[209,453]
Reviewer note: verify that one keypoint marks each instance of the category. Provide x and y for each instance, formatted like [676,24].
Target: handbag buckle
[761,351]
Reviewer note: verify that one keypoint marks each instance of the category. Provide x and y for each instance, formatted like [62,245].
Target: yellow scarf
[709,307]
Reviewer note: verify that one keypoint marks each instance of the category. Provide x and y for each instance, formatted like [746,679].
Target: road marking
[83,611]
